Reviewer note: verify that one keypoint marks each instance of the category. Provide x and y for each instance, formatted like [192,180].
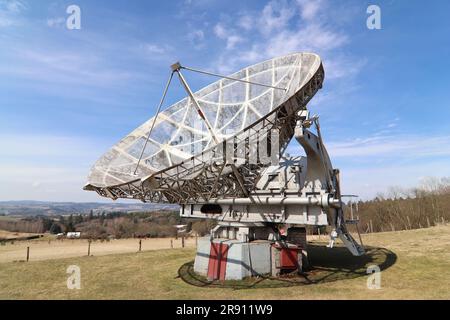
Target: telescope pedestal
[223,259]
[231,259]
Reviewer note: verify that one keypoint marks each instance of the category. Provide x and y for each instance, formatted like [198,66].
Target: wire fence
[45,249]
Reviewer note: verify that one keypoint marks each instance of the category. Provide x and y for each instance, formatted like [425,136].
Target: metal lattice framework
[182,163]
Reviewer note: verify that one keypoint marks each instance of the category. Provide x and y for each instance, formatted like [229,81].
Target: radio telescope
[217,153]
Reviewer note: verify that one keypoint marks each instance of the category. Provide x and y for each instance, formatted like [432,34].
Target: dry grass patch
[421,271]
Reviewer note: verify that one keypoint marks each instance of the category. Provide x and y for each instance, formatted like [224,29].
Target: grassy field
[418,268]
[49,248]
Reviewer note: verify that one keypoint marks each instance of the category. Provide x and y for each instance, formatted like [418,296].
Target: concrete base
[243,259]
[287,257]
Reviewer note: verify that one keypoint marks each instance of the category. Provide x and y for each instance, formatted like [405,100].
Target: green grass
[420,270]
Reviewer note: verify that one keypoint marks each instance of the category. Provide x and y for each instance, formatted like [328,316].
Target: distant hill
[32,208]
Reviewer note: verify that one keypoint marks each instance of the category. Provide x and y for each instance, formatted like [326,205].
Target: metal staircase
[355,248]
[341,231]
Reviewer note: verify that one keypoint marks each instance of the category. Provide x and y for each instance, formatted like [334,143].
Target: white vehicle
[73,235]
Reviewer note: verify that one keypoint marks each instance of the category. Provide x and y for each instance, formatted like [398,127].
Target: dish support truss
[296,192]
[208,175]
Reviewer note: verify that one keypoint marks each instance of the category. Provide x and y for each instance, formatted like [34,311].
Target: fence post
[428,222]
[371,226]
[140,245]
[409,222]
[182,241]
[89,247]
[171,243]
[28,254]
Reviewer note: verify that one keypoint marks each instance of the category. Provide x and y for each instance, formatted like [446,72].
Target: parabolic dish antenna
[177,162]
[208,153]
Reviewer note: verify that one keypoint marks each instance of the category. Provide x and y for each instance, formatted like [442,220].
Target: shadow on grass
[326,265]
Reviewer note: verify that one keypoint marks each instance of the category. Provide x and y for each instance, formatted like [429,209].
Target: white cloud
[154,48]
[367,182]
[283,27]
[197,37]
[394,146]
[6,21]
[87,66]
[246,22]
[232,41]
[13,5]
[153,52]
[391,147]
[34,146]
[310,8]
[275,15]
[46,167]
[374,164]
[219,30]
[10,12]
[63,68]
[36,184]
[56,22]
[230,35]
[341,66]
[313,38]
[56,182]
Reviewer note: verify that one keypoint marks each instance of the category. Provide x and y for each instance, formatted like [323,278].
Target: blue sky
[66,96]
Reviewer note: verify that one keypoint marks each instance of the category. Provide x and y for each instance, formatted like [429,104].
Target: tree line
[404,209]
[109,224]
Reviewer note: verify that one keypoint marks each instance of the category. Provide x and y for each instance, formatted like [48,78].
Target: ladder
[341,231]
[352,245]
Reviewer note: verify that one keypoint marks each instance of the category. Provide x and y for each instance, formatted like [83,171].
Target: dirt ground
[56,249]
